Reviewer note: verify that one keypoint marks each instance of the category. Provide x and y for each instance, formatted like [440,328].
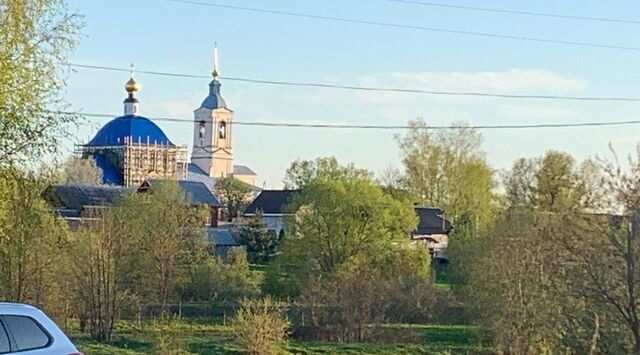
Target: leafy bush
[260,327]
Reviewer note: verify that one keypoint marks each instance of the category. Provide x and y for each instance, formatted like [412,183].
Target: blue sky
[161,35]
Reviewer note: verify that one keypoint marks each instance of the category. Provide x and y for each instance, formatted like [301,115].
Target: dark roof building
[270,202]
[71,201]
[431,221]
[196,192]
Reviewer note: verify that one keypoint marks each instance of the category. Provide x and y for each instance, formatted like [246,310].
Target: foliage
[301,172]
[554,183]
[139,250]
[81,171]
[233,193]
[167,345]
[448,170]
[31,241]
[35,37]
[260,243]
[337,222]
[171,234]
[260,327]
[223,283]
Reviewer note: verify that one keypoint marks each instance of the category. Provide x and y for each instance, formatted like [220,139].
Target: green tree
[555,183]
[81,171]
[448,170]
[260,243]
[233,193]
[31,240]
[338,221]
[35,37]
[301,172]
[223,283]
[260,327]
[172,234]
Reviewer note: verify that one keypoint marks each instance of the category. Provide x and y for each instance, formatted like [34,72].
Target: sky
[161,35]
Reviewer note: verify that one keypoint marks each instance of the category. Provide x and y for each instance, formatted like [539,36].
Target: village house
[272,204]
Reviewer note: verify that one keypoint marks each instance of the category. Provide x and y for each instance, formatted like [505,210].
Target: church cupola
[131,103]
[214,100]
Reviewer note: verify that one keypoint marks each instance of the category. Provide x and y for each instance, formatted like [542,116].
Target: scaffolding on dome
[131,163]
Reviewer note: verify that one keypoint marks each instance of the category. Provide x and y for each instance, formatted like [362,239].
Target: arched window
[222,130]
[201,130]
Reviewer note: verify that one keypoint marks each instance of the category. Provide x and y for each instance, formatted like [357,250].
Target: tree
[35,37]
[223,283]
[172,237]
[554,183]
[260,327]
[337,221]
[81,171]
[260,243]
[448,170]
[30,240]
[233,193]
[301,172]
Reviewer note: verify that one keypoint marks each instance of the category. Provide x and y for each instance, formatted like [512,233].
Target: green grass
[214,338]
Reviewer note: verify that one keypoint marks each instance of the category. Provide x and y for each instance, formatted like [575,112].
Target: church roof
[197,193]
[243,170]
[136,128]
[214,100]
[271,202]
[194,173]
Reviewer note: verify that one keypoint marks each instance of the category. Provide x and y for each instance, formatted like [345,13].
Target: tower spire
[216,64]
[131,104]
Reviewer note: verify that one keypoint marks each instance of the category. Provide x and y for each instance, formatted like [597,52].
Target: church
[132,149]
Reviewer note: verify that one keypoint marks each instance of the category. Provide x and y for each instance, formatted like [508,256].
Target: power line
[365,88]
[382,127]
[517,12]
[403,26]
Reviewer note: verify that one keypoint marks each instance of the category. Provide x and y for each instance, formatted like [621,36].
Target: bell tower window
[222,130]
[201,130]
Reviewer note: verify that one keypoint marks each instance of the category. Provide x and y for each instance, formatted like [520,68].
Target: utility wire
[382,127]
[404,26]
[517,12]
[365,88]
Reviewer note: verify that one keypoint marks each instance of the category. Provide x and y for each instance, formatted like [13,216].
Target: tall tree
[233,193]
[554,183]
[36,36]
[260,243]
[81,171]
[448,170]
[172,238]
[301,172]
[338,221]
[30,239]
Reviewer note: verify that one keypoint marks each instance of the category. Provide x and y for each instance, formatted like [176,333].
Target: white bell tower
[212,130]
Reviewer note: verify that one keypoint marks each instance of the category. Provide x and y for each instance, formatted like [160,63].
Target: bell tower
[213,121]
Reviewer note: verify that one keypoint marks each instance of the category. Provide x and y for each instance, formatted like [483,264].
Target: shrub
[260,327]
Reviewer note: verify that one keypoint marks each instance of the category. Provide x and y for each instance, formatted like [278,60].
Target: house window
[222,130]
[201,130]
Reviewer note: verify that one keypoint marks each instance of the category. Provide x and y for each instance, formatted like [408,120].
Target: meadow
[209,336]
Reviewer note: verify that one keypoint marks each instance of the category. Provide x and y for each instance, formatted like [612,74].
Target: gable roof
[270,202]
[196,192]
[194,173]
[220,237]
[243,170]
[431,221]
[77,196]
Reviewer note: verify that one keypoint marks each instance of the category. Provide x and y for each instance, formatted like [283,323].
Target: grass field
[214,338]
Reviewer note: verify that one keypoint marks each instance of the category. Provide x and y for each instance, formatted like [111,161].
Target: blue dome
[214,100]
[139,128]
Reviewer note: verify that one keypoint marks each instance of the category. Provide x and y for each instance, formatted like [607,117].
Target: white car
[26,330]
